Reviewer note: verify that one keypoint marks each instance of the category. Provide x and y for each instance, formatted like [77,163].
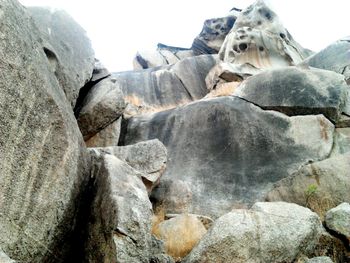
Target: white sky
[118,29]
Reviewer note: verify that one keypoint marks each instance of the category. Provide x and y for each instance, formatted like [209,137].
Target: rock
[121,214]
[100,71]
[109,136]
[180,234]
[341,141]
[147,157]
[158,254]
[269,232]
[103,105]
[319,185]
[320,260]
[67,48]
[158,89]
[44,166]
[4,258]
[258,38]
[335,57]
[338,220]
[213,34]
[297,91]
[228,152]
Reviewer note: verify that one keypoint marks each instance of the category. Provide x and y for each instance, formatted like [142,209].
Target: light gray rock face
[67,48]
[4,258]
[320,260]
[320,185]
[213,34]
[258,38]
[157,89]
[147,157]
[109,136]
[229,151]
[121,214]
[42,162]
[341,141]
[338,220]
[297,91]
[335,57]
[103,105]
[269,232]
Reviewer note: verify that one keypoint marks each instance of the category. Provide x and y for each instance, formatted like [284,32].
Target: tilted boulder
[297,91]
[43,163]
[229,151]
[269,232]
[338,220]
[109,136]
[67,48]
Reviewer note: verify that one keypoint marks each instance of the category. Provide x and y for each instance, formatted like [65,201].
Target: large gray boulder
[269,232]
[338,220]
[103,105]
[157,89]
[67,48]
[43,164]
[228,151]
[319,185]
[119,226]
[109,136]
[297,91]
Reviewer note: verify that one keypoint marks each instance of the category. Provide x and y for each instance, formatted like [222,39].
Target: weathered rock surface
[103,105]
[67,48]
[121,214]
[341,141]
[320,185]
[258,38]
[99,72]
[109,136]
[338,220]
[320,260]
[229,151]
[269,232]
[297,91]
[164,88]
[147,157]
[180,234]
[4,258]
[42,160]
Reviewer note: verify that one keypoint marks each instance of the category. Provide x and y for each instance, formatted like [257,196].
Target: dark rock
[100,71]
[229,151]
[67,48]
[297,91]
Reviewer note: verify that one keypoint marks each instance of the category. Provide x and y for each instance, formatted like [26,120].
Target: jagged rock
[335,57]
[67,48]
[158,254]
[100,71]
[180,234]
[103,105]
[269,232]
[213,34]
[320,260]
[258,38]
[228,151]
[43,164]
[320,185]
[338,220]
[157,89]
[109,136]
[4,258]
[297,91]
[121,214]
[147,157]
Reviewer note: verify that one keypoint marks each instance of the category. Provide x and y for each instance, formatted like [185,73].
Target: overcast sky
[118,29]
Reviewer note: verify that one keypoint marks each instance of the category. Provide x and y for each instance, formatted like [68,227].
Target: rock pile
[234,150]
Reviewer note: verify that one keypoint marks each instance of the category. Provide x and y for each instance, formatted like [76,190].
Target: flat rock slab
[297,91]
[228,152]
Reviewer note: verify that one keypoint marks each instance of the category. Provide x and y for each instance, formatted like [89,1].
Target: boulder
[335,57]
[297,91]
[99,72]
[109,136]
[258,38]
[341,141]
[319,185]
[4,258]
[180,234]
[228,151]
[103,105]
[338,220]
[158,89]
[119,226]
[269,232]
[147,157]
[320,260]
[67,48]
[44,166]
